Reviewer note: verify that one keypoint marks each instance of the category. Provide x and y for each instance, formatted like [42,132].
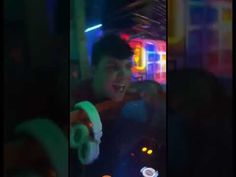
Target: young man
[111,72]
[110,81]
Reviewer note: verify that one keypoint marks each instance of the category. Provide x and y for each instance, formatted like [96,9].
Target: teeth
[120,87]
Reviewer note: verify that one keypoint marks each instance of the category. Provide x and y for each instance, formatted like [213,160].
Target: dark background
[36,62]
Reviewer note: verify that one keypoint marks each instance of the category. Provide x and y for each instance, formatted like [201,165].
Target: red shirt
[83,91]
[109,113]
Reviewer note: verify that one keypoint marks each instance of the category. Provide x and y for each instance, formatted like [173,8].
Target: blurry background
[36,61]
[199,81]
[141,22]
[200,36]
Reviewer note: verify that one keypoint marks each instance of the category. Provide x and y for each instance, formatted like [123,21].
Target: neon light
[139,61]
[150,60]
[150,47]
[161,46]
[163,59]
[124,36]
[142,59]
[93,28]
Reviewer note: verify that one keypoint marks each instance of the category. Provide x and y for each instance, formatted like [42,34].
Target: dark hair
[110,45]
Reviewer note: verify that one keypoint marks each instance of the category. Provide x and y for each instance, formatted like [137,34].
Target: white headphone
[88,147]
[52,139]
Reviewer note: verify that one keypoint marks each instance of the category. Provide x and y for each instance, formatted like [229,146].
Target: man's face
[112,78]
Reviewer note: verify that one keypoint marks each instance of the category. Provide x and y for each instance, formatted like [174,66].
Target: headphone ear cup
[52,140]
[88,152]
[79,134]
[88,149]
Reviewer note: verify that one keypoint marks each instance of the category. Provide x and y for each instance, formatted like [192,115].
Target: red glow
[161,46]
[124,36]
[135,44]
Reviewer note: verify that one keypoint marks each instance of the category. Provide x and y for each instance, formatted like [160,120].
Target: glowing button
[149,152]
[144,149]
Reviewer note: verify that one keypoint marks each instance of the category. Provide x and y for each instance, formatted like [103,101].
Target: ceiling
[145,18]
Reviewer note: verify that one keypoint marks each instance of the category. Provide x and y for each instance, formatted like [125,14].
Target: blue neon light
[93,28]
[150,47]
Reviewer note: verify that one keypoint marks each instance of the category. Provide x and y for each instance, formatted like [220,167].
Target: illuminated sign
[139,62]
[149,59]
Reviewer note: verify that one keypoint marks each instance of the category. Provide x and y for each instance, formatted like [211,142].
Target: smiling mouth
[120,88]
